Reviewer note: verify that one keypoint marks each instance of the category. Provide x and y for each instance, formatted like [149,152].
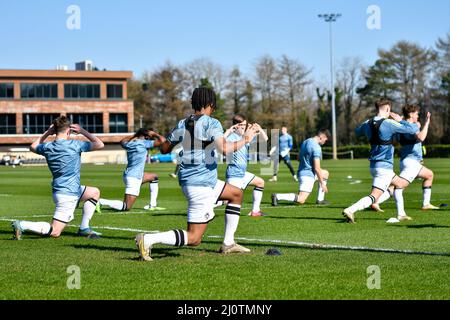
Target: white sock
[384,197]
[115,204]
[426,196]
[362,204]
[154,188]
[171,238]
[88,212]
[232,214]
[286,196]
[257,197]
[398,195]
[41,228]
[321,193]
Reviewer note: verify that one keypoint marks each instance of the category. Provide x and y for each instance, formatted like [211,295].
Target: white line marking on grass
[99,227]
[35,216]
[285,242]
[5,195]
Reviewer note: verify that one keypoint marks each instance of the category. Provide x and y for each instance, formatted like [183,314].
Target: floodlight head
[330,17]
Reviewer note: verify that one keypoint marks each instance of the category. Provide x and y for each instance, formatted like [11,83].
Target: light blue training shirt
[64,161]
[410,146]
[198,164]
[382,156]
[238,165]
[285,142]
[309,150]
[137,151]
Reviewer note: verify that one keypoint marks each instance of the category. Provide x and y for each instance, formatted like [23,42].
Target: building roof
[63,74]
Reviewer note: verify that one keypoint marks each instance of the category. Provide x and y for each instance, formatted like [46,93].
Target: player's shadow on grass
[422,226]
[156,253]
[338,220]
[74,235]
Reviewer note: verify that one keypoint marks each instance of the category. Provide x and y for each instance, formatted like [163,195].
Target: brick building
[31,99]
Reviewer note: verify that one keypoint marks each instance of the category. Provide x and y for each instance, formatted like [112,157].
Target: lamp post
[330,18]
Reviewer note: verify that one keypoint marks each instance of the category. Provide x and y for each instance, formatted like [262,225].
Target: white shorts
[306,183]
[382,178]
[410,169]
[242,183]
[65,206]
[201,201]
[132,185]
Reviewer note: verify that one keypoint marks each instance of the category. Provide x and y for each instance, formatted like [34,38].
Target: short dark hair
[410,108]
[239,118]
[61,124]
[382,102]
[203,97]
[325,132]
[142,132]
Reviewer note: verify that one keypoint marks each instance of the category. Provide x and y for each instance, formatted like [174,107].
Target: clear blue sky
[141,35]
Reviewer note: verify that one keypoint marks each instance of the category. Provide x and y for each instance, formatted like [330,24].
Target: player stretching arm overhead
[64,161]
[200,135]
[236,173]
[134,176]
[411,160]
[380,131]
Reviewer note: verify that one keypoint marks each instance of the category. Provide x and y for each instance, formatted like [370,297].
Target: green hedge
[363,151]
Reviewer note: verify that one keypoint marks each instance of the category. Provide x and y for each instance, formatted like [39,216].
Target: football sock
[232,214]
[115,204]
[287,197]
[257,197]
[177,238]
[88,212]
[362,204]
[384,197]
[154,187]
[426,196]
[398,195]
[41,228]
[321,193]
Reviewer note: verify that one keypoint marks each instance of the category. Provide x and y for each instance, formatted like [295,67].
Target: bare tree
[349,78]
[443,51]
[266,80]
[236,87]
[293,79]
[204,68]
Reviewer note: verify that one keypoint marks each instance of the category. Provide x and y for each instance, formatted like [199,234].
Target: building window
[92,122]
[38,91]
[6,90]
[118,122]
[37,123]
[82,91]
[7,123]
[114,91]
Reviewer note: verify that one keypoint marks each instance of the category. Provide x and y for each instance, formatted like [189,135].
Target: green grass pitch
[36,268]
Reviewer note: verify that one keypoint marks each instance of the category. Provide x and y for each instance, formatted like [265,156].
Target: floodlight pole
[330,18]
